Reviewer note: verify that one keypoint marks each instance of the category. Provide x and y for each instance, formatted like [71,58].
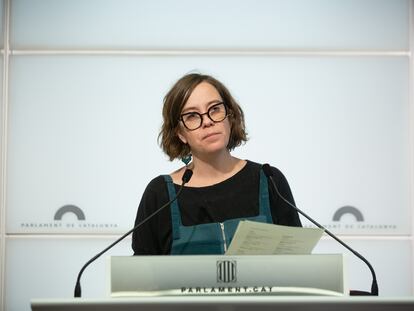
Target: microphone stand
[374,287]
[185,179]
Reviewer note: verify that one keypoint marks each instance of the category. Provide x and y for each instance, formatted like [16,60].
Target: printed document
[256,238]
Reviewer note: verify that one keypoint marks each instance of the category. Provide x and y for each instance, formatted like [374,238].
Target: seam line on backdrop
[3,156]
[216,52]
[111,235]
[62,235]
[411,127]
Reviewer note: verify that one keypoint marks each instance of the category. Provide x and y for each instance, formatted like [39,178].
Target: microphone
[185,179]
[374,287]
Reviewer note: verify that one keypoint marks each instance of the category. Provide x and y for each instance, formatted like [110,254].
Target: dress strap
[175,211]
[264,200]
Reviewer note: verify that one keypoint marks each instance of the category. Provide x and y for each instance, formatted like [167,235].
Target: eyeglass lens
[193,120]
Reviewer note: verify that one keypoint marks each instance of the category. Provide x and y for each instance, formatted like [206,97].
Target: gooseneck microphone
[185,179]
[374,287]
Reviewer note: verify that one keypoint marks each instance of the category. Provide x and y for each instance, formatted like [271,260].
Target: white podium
[227,283]
[227,275]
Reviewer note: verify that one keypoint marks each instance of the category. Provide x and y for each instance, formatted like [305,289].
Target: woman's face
[211,137]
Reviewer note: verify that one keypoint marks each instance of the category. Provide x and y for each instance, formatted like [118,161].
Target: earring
[186,159]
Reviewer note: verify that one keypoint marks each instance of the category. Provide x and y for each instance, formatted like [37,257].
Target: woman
[204,123]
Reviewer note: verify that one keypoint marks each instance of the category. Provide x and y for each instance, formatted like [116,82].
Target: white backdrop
[325,86]
[92,133]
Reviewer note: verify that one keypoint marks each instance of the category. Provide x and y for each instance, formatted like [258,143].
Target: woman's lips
[210,135]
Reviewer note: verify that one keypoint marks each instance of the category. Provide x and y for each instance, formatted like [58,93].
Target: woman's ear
[181,136]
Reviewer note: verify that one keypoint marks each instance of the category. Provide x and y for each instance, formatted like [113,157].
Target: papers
[256,238]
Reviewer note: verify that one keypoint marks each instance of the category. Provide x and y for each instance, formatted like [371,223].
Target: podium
[227,275]
[227,283]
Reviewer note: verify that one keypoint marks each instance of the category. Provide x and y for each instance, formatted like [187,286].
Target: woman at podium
[202,124]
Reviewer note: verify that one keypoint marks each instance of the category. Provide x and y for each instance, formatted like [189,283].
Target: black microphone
[185,179]
[374,287]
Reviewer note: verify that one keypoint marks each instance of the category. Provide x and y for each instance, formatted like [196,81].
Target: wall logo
[348,210]
[60,223]
[69,209]
[357,221]
[226,271]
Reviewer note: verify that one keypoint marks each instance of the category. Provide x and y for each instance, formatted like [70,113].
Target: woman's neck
[214,169]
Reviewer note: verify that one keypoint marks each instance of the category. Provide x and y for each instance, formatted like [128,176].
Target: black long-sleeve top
[235,197]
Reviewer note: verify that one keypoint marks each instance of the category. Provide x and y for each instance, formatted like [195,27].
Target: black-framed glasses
[193,120]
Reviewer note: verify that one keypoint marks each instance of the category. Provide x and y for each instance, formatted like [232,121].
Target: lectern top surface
[239,303]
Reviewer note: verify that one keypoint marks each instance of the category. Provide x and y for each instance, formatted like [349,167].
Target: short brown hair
[174,102]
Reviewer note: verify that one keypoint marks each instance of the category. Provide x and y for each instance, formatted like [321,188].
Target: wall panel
[47,267]
[391,259]
[319,24]
[83,132]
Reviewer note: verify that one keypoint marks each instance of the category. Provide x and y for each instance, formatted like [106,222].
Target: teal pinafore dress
[211,238]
